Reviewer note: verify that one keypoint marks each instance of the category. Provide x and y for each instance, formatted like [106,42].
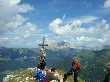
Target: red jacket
[76,66]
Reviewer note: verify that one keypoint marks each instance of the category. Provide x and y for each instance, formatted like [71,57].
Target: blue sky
[81,23]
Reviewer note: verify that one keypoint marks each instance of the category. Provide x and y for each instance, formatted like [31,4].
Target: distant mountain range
[92,62]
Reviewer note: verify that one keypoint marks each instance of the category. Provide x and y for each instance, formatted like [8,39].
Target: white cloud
[86,31]
[10,16]
[50,43]
[59,27]
[107,4]
[9,8]
[12,22]
[55,26]
[28,30]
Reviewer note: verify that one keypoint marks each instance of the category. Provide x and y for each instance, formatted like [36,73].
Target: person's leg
[75,76]
[67,74]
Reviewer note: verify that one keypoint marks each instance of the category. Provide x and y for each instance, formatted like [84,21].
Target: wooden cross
[43,45]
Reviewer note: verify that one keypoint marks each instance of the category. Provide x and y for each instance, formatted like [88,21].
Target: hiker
[40,74]
[73,70]
[107,76]
[42,58]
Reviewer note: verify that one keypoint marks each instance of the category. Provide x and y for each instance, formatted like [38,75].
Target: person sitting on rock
[73,70]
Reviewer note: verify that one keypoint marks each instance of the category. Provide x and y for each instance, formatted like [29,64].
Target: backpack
[39,74]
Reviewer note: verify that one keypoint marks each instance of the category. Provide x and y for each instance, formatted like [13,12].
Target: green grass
[70,79]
